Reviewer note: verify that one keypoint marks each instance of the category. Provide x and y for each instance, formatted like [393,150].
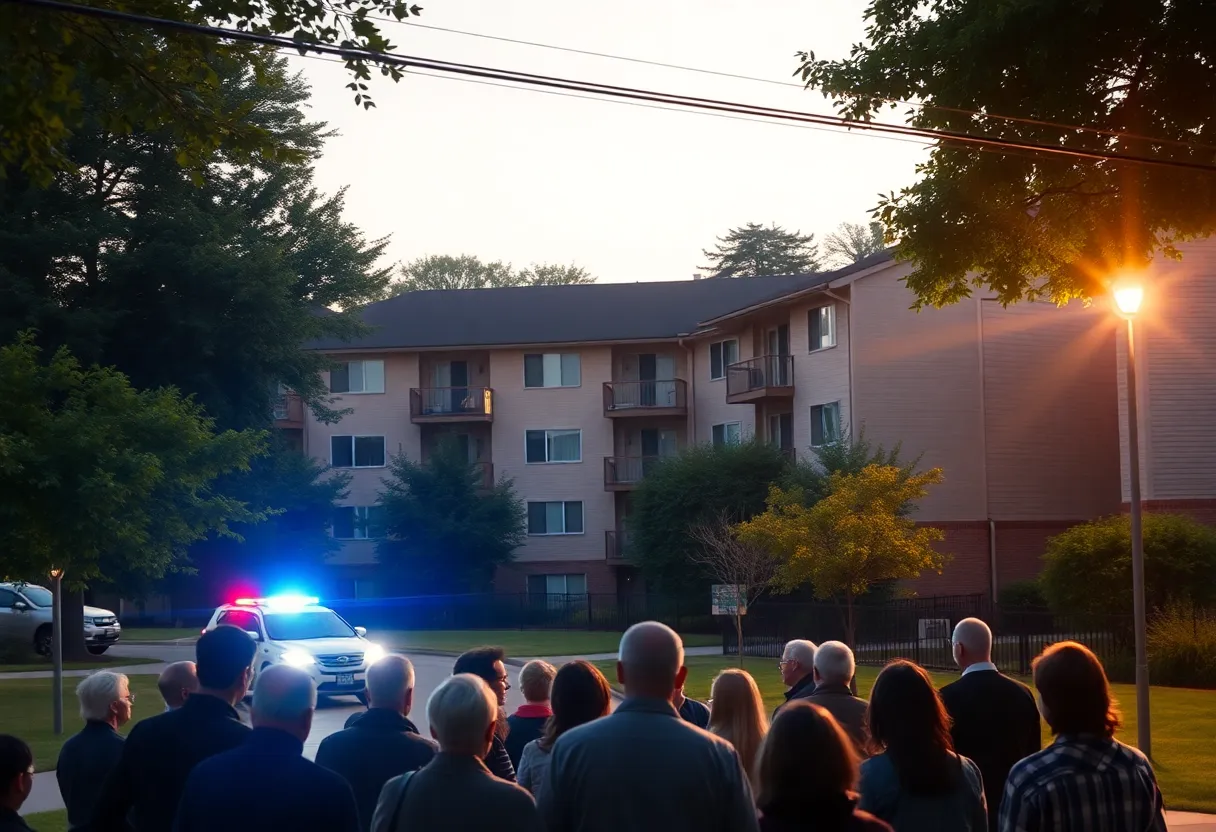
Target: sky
[628,193]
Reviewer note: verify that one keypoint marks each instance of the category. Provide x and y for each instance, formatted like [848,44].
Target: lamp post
[57,647]
[1128,299]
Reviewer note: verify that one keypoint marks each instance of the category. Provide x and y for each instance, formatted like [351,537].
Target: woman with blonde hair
[737,714]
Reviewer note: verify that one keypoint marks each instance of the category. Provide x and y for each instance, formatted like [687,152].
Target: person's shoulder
[972,771]
[863,821]
[512,795]
[1036,770]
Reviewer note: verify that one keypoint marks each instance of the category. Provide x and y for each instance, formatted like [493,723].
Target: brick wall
[1202,510]
[1020,547]
[967,571]
[601,579]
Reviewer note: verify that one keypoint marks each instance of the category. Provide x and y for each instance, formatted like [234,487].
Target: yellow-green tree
[854,537]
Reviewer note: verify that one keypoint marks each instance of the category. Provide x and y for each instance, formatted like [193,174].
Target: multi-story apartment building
[572,390]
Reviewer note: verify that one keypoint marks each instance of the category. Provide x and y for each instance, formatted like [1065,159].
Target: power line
[692,102]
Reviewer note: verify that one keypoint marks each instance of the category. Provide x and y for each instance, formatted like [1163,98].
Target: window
[246,621]
[555,518]
[721,355]
[7,598]
[552,369]
[727,434]
[825,424]
[358,522]
[557,584]
[298,626]
[821,323]
[356,451]
[357,377]
[553,445]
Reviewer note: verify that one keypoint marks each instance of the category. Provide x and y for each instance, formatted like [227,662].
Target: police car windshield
[298,626]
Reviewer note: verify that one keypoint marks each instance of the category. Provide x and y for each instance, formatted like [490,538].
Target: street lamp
[57,647]
[1128,297]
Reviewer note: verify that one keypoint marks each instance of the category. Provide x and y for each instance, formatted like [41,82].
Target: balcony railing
[616,543]
[451,404]
[667,397]
[623,473]
[289,411]
[759,378]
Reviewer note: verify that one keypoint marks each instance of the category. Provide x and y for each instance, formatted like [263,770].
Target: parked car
[25,620]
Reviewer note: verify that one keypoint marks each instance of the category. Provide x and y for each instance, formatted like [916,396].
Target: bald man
[176,683]
[995,718]
[644,767]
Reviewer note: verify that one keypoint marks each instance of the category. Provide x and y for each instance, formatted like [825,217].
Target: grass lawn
[517,643]
[159,633]
[1184,723]
[48,821]
[100,663]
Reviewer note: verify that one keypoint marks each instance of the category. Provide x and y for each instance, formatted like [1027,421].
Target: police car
[297,631]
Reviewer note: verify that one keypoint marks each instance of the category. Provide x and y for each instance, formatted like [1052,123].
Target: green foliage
[98,478]
[444,533]
[753,250]
[1023,595]
[1098,75]
[1088,568]
[695,487]
[1182,647]
[468,271]
[848,456]
[852,242]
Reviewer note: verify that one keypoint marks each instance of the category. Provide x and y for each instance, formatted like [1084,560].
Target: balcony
[766,377]
[430,405]
[623,473]
[645,398]
[615,544]
[289,412]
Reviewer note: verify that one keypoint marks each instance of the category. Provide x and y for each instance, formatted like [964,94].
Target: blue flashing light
[288,601]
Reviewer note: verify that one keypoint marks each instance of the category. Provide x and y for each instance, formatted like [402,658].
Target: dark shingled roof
[566,314]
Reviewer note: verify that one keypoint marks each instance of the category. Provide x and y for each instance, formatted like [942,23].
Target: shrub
[1023,595]
[1182,647]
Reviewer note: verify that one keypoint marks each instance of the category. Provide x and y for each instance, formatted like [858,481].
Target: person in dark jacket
[834,669]
[487,663]
[16,782]
[162,750]
[267,783]
[528,721]
[383,743]
[797,668]
[87,758]
[691,711]
[995,718]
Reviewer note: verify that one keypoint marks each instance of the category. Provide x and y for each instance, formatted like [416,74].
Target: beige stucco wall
[821,376]
[710,404]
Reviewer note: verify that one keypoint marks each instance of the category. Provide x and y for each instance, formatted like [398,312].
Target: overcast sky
[629,193]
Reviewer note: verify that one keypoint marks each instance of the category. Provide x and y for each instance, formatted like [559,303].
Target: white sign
[725,600]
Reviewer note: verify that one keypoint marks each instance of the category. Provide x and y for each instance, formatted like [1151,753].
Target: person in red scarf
[528,721]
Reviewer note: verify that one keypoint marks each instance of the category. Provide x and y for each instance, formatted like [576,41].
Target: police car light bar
[278,601]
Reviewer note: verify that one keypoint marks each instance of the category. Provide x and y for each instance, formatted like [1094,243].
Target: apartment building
[573,391]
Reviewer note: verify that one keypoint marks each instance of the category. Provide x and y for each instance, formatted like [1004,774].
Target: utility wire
[692,102]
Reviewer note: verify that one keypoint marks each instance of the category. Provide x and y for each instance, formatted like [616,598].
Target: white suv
[296,631]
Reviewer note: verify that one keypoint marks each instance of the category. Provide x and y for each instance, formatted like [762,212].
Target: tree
[849,455]
[853,242]
[1127,78]
[748,568]
[98,478]
[162,81]
[443,531]
[755,251]
[854,537]
[467,271]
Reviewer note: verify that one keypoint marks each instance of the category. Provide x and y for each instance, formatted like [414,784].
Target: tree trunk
[850,633]
[739,634]
[74,649]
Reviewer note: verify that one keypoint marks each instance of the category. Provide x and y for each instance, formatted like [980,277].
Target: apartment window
[557,584]
[553,446]
[358,522]
[356,451]
[721,355]
[552,369]
[357,377]
[727,434]
[825,424]
[561,517]
[822,325]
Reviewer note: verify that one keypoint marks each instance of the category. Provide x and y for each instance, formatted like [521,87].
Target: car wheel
[98,649]
[44,641]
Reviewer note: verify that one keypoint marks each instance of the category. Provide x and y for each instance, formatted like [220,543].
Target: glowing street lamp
[57,648]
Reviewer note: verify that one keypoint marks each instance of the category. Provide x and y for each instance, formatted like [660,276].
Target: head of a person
[536,681]
[463,713]
[834,664]
[797,661]
[177,682]
[224,662]
[285,698]
[738,714]
[651,661]
[106,697]
[580,695]
[908,722]
[16,771]
[390,684]
[805,758]
[487,664]
[1074,694]
[972,642]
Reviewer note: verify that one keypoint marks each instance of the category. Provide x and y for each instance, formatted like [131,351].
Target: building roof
[565,314]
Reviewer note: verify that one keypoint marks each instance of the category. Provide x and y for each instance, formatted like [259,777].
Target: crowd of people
[968,757]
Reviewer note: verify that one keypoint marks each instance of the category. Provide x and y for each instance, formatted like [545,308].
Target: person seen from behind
[738,714]
[86,760]
[1086,779]
[580,694]
[176,683]
[806,775]
[692,711]
[797,668]
[834,667]
[16,782]
[915,781]
[487,664]
[456,792]
[528,721]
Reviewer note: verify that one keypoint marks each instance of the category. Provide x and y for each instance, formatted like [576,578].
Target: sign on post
[726,601]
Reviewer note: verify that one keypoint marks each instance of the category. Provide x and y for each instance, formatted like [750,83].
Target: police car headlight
[373,654]
[298,658]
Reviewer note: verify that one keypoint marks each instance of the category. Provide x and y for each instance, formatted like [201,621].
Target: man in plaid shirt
[1085,781]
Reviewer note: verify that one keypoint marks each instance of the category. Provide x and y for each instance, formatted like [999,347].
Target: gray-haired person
[456,791]
[797,668]
[834,669]
[177,681]
[87,758]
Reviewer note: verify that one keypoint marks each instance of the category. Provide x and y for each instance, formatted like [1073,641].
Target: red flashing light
[246,602]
